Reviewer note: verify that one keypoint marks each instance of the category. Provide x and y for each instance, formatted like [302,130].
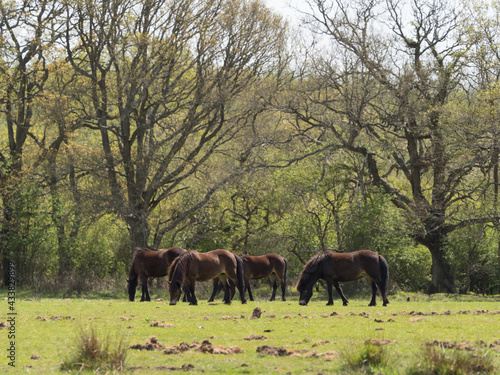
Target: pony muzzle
[302,303]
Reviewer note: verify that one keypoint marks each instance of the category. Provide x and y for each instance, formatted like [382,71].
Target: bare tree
[165,81]
[384,93]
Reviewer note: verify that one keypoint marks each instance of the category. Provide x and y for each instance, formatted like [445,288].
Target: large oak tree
[383,86]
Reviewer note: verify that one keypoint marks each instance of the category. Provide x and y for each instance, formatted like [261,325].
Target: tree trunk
[442,278]
[139,230]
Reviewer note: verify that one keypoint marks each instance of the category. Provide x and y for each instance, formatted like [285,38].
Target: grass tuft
[367,360]
[97,354]
[441,361]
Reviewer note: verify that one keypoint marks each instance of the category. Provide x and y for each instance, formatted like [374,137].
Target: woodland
[206,124]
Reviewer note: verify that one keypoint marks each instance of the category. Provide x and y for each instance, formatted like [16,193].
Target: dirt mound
[255,337]
[277,351]
[151,344]
[187,367]
[464,345]
[161,324]
[205,347]
[257,312]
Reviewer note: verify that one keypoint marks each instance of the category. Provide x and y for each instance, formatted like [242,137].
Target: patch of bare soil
[495,345]
[4,325]
[465,345]
[229,317]
[151,344]
[279,351]
[187,367]
[161,324]
[255,337]
[205,347]
[448,312]
[320,342]
[60,317]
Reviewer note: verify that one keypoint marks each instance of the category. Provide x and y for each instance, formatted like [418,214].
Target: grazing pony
[149,263]
[334,267]
[195,266]
[273,266]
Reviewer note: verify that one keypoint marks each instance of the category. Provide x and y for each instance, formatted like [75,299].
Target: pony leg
[275,287]
[247,287]
[330,292]
[341,293]
[283,290]
[227,293]
[145,292]
[192,297]
[373,302]
[240,280]
[216,288]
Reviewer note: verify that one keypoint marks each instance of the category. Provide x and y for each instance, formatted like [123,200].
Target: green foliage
[377,225]
[30,242]
[473,254]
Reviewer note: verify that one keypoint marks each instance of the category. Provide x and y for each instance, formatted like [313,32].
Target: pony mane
[178,267]
[309,268]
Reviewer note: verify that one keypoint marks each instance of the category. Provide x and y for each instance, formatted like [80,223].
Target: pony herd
[229,271]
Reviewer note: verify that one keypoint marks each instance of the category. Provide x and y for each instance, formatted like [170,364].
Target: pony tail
[132,281]
[286,271]
[239,272]
[384,275]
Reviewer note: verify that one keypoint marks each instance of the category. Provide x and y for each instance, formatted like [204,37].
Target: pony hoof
[346,303]
[329,304]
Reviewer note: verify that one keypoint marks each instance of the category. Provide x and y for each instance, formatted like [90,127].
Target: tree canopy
[210,124]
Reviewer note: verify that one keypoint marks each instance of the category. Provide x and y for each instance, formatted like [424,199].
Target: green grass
[315,338]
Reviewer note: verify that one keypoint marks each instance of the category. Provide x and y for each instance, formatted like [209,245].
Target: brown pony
[194,266]
[149,263]
[258,267]
[334,267]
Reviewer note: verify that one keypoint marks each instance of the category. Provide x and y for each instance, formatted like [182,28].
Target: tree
[386,93]
[164,92]
[27,37]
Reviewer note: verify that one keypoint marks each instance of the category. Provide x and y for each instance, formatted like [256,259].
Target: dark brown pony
[194,266]
[149,263]
[273,266]
[334,267]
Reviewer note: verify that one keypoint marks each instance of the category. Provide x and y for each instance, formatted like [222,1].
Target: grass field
[286,339]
